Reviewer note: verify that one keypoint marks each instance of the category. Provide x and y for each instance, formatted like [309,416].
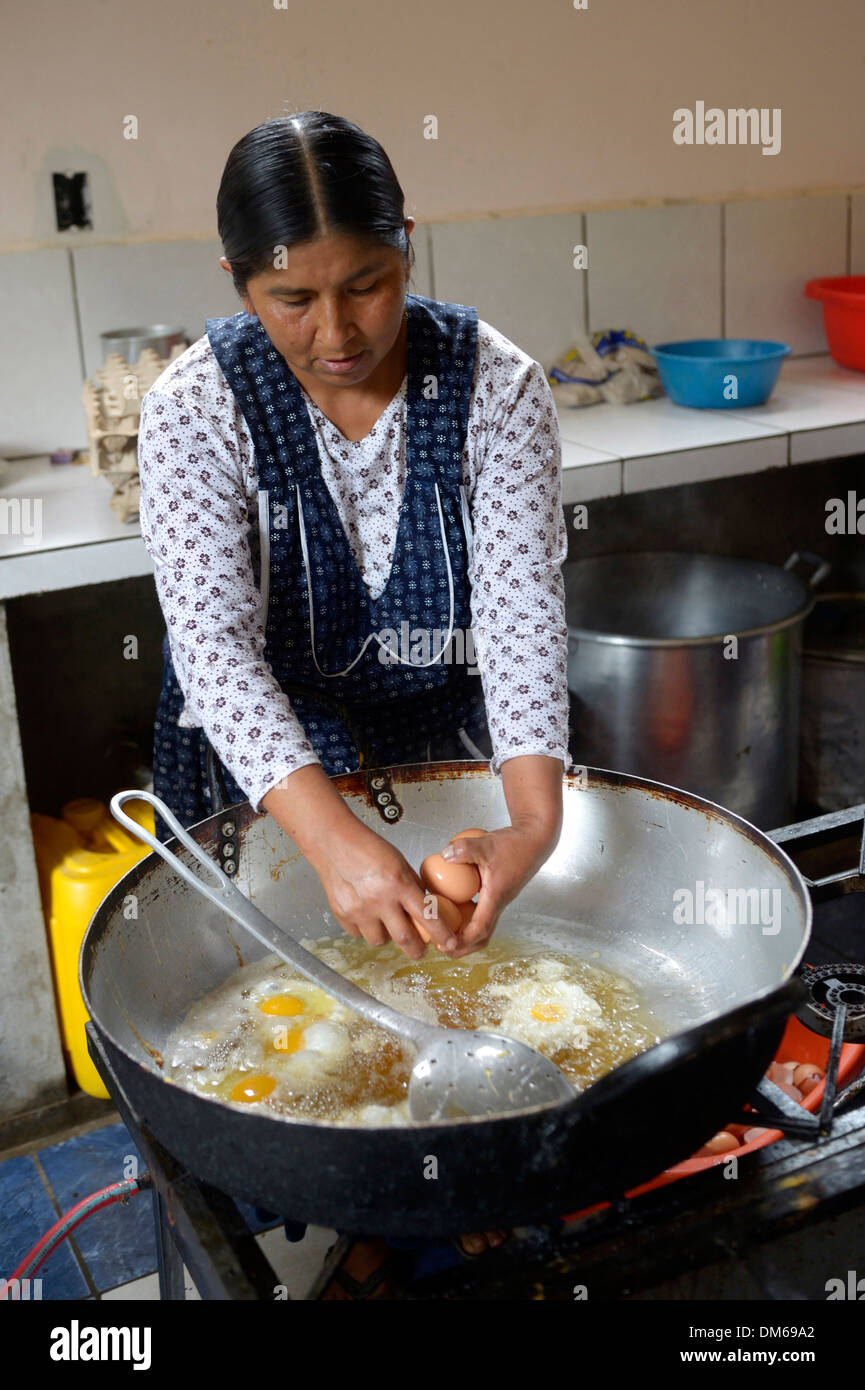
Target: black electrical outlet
[71,201]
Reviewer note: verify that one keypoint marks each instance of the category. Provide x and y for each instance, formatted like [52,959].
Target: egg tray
[800,1044]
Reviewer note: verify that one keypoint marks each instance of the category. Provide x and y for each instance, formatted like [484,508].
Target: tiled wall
[690,270]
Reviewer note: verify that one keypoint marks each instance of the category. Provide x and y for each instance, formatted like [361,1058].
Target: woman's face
[330,299]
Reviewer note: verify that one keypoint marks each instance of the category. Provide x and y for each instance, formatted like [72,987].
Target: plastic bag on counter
[614,365]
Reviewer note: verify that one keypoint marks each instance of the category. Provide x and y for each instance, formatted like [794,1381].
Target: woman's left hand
[506,860]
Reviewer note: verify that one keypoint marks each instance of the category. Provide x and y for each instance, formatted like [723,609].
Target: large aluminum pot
[658,688]
[832,744]
[722,991]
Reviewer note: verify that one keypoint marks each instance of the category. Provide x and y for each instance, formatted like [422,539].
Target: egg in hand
[458,882]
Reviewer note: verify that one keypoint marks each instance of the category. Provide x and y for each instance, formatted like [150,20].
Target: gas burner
[829,986]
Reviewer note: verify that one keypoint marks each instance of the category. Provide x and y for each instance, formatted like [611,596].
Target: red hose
[66,1224]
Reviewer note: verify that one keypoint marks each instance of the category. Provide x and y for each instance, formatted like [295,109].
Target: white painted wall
[540,106]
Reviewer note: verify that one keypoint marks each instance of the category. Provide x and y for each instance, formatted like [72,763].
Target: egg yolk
[253,1088]
[288,1040]
[283,1005]
[547,1013]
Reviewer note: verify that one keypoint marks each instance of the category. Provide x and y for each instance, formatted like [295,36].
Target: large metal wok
[722,994]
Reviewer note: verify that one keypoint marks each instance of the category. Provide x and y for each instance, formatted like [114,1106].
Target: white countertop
[62,533]
[817,411]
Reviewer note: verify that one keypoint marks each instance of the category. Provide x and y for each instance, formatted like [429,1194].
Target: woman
[340,462]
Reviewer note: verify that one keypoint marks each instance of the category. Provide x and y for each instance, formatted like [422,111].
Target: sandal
[382,1282]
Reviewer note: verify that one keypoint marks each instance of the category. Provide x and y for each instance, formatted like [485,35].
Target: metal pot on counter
[162,338]
[659,689]
[833,700]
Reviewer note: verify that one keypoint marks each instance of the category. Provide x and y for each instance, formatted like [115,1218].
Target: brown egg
[737,1130]
[756,1132]
[807,1077]
[720,1143]
[447,912]
[792,1091]
[781,1072]
[467,834]
[806,1069]
[459,882]
[467,912]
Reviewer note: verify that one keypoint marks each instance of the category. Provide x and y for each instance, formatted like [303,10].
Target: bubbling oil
[245,1044]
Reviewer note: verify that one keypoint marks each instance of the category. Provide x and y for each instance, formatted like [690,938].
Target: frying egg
[282,1005]
[551,1013]
[327,1040]
[253,1088]
[288,1040]
[459,882]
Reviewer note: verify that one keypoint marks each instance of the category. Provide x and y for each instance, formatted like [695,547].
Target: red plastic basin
[843,299]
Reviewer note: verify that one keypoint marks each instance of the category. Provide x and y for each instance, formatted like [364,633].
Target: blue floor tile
[27,1214]
[118,1244]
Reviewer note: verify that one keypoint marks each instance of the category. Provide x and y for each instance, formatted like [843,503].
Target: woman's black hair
[296,178]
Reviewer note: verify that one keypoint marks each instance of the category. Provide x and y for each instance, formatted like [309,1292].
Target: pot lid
[836,627]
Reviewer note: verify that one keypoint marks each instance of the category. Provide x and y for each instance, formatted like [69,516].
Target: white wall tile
[174,282]
[40,363]
[773,246]
[519,273]
[656,271]
[422,279]
[857,234]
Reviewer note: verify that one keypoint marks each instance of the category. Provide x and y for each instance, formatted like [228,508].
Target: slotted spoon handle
[225,895]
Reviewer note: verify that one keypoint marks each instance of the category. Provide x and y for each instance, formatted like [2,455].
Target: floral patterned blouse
[199,494]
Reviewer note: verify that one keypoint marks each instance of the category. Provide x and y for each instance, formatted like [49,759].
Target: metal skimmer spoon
[459,1072]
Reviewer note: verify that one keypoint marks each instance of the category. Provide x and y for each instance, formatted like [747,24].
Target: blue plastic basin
[719,373]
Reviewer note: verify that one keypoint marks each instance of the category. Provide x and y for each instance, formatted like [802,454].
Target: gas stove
[701,1236]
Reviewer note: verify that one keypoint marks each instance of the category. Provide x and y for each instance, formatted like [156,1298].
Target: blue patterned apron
[324,633]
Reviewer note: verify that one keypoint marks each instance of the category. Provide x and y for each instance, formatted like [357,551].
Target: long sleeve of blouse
[199,521]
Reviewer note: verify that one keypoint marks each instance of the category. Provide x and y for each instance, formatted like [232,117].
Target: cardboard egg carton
[112,404]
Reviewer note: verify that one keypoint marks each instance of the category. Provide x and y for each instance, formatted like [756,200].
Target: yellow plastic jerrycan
[79,859]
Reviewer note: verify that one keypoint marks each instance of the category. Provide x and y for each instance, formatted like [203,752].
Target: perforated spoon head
[465,1073]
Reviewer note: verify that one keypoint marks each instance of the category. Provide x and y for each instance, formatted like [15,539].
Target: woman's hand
[506,861]
[374,893]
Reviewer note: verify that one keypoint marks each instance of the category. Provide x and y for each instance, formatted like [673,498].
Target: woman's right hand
[372,890]
[374,893]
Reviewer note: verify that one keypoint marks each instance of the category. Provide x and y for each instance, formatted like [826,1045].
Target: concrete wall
[540,106]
